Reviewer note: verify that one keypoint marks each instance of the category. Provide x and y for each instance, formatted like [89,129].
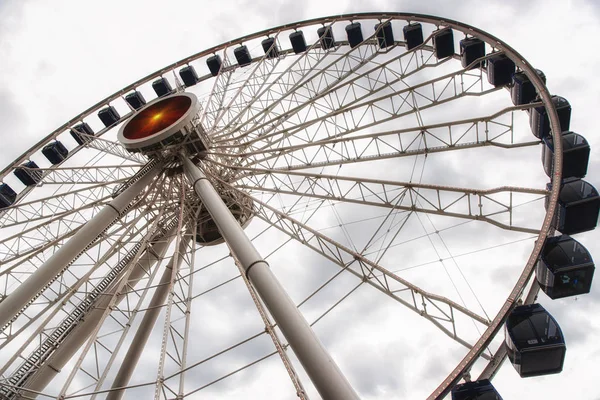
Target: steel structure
[100,261]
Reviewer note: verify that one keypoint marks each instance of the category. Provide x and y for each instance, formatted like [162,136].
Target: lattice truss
[330,150]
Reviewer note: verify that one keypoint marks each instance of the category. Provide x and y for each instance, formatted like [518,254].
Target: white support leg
[51,367]
[318,364]
[143,332]
[19,299]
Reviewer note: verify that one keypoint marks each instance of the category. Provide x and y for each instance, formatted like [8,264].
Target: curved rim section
[524,65]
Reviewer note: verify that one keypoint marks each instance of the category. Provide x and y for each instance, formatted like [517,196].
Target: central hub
[164,123]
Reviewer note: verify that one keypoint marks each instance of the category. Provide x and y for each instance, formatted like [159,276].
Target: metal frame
[269,154]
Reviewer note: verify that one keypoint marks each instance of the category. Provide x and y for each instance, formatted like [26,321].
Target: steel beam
[318,364]
[46,373]
[145,328]
[13,304]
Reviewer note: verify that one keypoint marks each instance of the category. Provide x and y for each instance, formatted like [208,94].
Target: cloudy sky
[60,57]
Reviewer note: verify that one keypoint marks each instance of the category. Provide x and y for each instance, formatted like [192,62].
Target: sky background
[58,58]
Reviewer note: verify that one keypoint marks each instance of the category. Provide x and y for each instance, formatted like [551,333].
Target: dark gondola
[540,123]
[136,100]
[326,37]
[443,43]
[578,207]
[500,70]
[298,42]
[214,64]
[385,34]
[534,341]
[7,195]
[162,87]
[522,90]
[470,50]
[477,390]
[55,152]
[27,174]
[109,116]
[565,268]
[413,35]
[188,75]
[354,34]
[242,55]
[80,129]
[576,155]
[270,48]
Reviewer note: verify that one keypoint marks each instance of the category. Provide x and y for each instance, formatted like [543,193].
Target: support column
[318,364]
[54,364]
[14,303]
[145,328]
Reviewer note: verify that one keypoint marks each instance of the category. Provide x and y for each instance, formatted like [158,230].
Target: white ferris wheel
[225,223]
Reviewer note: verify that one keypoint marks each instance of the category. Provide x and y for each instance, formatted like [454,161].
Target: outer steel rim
[496,43]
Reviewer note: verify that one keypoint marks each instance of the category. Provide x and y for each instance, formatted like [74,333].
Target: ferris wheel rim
[492,40]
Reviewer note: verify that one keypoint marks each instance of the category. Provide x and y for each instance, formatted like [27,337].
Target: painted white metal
[81,333]
[320,367]
[20,298]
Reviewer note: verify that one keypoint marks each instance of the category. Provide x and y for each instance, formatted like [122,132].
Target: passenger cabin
[214,64]
[162,87]
[385,34]
[534,341]
[27,173]
[565,268]
[135,100]
[470,50]
[242,55]
[109,116]
[578,207]
[443,43]
[477,390]
[188,75]
[500,70]
[326,37]
[79,131]
[540,123]
[522,90]
[55,152]
[7,195]
[298,42]
[270,47]
[576,155]
[354,33]
[413,35]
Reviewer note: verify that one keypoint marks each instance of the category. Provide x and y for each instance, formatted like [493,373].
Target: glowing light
[157,117]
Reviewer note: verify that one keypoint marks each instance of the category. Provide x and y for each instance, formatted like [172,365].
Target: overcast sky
[58,58]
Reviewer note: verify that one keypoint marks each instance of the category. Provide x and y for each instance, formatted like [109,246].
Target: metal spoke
[115,149]
[332,122]
[86,175]
[105,311]
[49,206]
[452,136]
[74,307]
[353,90]
[442,309]
[248,90]
[301,74]
[433,199]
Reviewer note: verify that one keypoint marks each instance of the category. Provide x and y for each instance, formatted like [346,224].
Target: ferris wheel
[283,215]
